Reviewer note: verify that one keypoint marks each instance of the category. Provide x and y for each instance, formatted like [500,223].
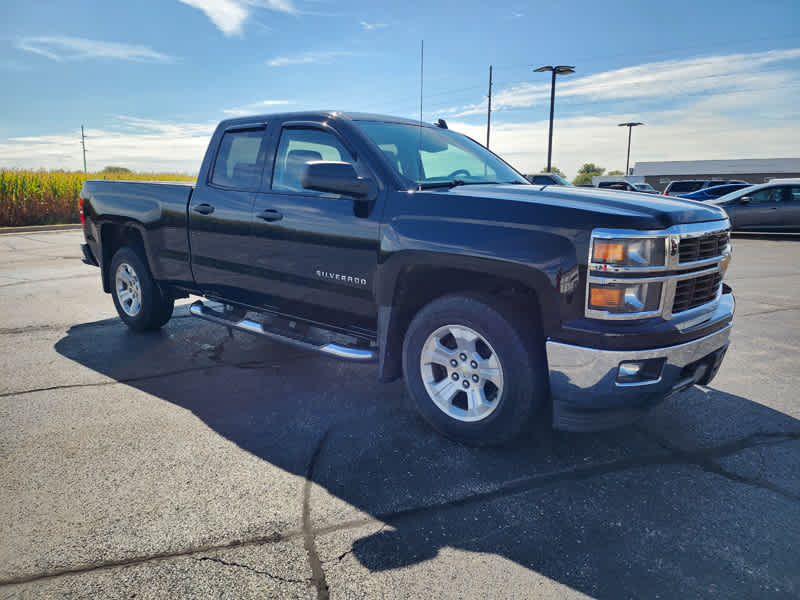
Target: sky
[150,79]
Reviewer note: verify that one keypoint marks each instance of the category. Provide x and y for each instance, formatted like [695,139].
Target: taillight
[80,206]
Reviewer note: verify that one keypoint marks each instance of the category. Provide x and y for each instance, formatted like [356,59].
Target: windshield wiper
[456,182]
[437,184]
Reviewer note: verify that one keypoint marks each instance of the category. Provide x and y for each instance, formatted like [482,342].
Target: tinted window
[240,160]
[794,194]
[766,195]
[299,147]
[684,187]
[542,180]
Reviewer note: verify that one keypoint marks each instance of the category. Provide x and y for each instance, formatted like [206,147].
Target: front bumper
[587,395]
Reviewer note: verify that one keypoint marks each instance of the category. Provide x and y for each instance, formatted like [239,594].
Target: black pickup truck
[368,238]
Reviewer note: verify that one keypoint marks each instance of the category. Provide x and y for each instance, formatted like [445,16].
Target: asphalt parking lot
[191,463]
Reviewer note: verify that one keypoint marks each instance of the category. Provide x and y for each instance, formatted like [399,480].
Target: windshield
[644,187]
[433,157]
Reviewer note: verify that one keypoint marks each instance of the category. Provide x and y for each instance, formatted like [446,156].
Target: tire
[504,370]
[138,299]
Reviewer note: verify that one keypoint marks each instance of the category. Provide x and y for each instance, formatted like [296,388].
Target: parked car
[678,188]
[547,179]
[772,206]
[715,192]
[628,186]
[372,238]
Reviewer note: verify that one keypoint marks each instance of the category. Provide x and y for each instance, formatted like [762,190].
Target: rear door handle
[203,209]
[270,215]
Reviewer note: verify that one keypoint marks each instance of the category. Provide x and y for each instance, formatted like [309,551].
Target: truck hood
[644,211]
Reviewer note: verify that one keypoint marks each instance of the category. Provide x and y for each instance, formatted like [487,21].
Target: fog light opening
[640,371]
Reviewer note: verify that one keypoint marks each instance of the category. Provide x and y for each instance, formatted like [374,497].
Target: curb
[39,228]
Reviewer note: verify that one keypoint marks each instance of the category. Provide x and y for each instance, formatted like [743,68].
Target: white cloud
[64,48]
[308,58]
[230,15]
[658,80]
[138,144]
[371,26]
[255,107]
[720,107]
[669,135]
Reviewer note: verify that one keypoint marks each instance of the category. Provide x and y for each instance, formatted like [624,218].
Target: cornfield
[48,197]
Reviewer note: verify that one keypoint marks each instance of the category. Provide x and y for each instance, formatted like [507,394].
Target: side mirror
[744,199]
[337,178]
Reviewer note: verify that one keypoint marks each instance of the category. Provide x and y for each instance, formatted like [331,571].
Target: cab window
[240,160]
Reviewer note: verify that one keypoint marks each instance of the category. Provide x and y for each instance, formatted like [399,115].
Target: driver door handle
[203,209]
[270,215]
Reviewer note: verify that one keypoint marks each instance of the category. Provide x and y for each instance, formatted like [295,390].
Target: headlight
[625,298]
[629,252]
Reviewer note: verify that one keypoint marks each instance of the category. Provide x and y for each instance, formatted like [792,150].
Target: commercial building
[752,170]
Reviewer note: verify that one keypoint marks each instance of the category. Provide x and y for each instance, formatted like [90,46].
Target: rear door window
[240,160]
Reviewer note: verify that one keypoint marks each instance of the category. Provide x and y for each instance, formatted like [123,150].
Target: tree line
[585,173]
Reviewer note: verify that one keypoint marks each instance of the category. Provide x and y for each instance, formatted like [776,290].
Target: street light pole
[630,126]
[558,70]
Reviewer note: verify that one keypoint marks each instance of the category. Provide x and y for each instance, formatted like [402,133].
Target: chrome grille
[702,247]
[690,293]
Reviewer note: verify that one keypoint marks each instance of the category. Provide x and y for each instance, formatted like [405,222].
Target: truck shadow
[689,503]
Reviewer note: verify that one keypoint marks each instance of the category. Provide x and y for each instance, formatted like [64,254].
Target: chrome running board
[198,309]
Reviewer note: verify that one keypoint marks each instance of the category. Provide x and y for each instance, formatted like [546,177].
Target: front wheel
[139,301]
[473,375]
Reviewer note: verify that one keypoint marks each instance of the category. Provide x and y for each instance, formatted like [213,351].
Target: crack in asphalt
[67,326]
[67,386]
[768,312]
[309,536]
[272,538]
[47,280]
[674,456]
[249,568]
[707,459]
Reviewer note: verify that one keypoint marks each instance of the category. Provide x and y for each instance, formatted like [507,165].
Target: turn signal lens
[608,252]
[723,265]
[605,298]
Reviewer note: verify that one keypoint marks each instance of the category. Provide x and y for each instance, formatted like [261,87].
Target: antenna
[489,113]
[83,143]
[421,73]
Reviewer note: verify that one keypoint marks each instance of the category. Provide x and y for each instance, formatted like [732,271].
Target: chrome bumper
[586,393]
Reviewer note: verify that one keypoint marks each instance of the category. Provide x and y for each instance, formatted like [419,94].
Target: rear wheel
[472,374]
[139,301]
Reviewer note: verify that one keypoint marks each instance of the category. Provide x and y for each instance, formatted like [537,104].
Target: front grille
[691,293]
[703,247]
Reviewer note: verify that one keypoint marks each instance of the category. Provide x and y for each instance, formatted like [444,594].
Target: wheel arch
[114,236]
[526,291]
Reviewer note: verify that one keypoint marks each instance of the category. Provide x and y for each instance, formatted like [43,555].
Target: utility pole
[489,113]
[83,143]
